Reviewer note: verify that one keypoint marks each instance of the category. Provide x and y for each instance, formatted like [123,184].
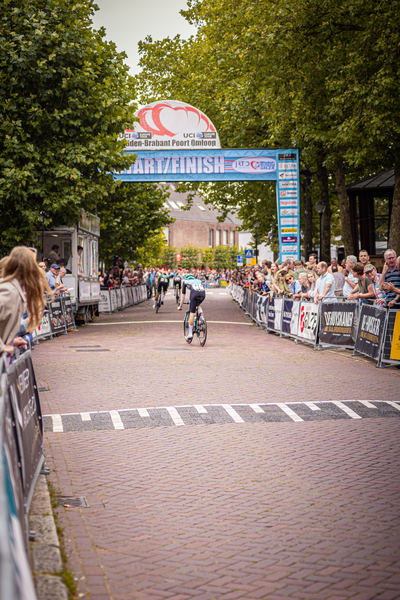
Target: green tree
[222,257]
[65,95]
[190,256]
[128,217]
[152,252]
[207,257]
[169,257]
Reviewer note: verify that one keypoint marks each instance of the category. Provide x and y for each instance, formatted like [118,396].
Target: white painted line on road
[200,409]
[367,404]
[346,409]
[85,417]
[312,406]
[289,411]
[257,408]
[116,419]
[143,412]
[175,416]
[156,321]
[394,404]
[232,413]
[223,294]
[57,424]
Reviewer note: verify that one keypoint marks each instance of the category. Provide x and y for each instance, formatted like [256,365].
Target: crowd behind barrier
[22,459]
[366,329]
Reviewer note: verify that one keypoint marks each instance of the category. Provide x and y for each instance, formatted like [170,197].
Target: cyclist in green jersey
[162,286]
[197,295]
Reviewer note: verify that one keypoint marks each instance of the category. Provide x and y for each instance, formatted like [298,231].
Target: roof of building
[383,180]
[199,211]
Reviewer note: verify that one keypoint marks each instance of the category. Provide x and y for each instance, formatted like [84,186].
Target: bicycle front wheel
[201,329]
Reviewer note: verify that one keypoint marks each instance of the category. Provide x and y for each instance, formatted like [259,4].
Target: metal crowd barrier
[22,459]
[58,318]
[366,329]
[118,299]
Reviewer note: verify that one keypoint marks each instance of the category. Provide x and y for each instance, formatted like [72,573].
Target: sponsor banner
[288,221]
[119,298]
[26,406]
[370,331]
[57,315]
[172,125]
[124,298]
[289,212]
[289,239]
[287,315]
[202,165]
[294,323]
[337,324]
[288,194]
[289,230]
[84,290]
[105,301]
[288,202]
[114,300]
[45,325]
[68,312]
[206,165]
[288,184]
[308,321]
[283,166]
[395,349]
[290,255]
[288,175]
[278,313]
[271,314]
[288,248]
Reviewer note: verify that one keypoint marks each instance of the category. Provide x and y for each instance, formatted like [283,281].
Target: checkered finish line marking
[209,414]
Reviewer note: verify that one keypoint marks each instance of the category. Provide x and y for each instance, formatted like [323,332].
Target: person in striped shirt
[390,280]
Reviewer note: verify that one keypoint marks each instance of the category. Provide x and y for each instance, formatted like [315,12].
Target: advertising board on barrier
[337,324]
[308,321]
[68,312]
[57,316]
[370,331]
[26,406]
[395,348]
[44,329]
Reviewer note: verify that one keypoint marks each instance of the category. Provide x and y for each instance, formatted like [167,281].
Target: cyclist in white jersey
[197,295]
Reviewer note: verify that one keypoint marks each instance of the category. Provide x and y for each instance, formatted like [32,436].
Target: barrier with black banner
[390,353]
[290,318]
[274,320]
[338,322]
[44,329]
[56,312]
[26,407]
[69,318]
[370,333]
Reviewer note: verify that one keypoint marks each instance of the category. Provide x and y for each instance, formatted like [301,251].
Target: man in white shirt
[325,285]
[350,280]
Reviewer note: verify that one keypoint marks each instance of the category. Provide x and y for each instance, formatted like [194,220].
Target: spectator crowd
[353,280]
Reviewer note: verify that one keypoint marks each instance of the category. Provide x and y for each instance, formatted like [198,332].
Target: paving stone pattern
[211,414]
[269,508]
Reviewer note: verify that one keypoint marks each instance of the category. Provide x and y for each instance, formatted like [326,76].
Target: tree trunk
[394,234]
[347,237]
[322,176]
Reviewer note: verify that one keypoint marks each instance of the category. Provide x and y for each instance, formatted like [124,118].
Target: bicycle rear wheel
[186,327]
[158,304]
[201,328]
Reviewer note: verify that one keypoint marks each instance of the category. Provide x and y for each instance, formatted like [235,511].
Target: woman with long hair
[22,284]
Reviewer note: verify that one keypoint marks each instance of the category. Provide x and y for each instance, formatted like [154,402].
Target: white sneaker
[154,305]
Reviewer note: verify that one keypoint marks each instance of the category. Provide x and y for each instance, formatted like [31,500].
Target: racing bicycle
[158,305]
[199,328]
[177,294]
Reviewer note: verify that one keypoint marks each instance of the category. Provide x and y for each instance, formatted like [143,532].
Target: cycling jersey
[163,279]
[194,285]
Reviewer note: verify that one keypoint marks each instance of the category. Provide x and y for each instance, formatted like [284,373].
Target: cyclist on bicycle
[197,295]
[162,286]
[177,283]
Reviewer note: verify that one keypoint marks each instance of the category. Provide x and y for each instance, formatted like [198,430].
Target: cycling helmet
[189,276]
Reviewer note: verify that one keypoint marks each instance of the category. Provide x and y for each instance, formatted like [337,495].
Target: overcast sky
[128,21]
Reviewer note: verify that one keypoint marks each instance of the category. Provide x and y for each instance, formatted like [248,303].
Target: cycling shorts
[178,283]
[196,298]
[163,285]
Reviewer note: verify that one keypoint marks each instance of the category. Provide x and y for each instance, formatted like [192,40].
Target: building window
[211,238]
[225,238]
[166,235]
[232,235]
[218,237]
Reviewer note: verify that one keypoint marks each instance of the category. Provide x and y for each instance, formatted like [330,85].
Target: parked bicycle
[199,327]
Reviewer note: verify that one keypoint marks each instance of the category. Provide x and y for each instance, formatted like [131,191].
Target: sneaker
[154,305]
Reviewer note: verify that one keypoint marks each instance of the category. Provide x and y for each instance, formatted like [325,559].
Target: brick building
[199,225]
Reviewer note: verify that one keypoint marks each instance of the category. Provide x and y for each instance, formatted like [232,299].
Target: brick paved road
[285,509]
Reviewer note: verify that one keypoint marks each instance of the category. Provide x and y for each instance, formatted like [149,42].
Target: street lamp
[320,206]
[308,174]
[256,227]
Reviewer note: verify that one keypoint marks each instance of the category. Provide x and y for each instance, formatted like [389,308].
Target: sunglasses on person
[289,279]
